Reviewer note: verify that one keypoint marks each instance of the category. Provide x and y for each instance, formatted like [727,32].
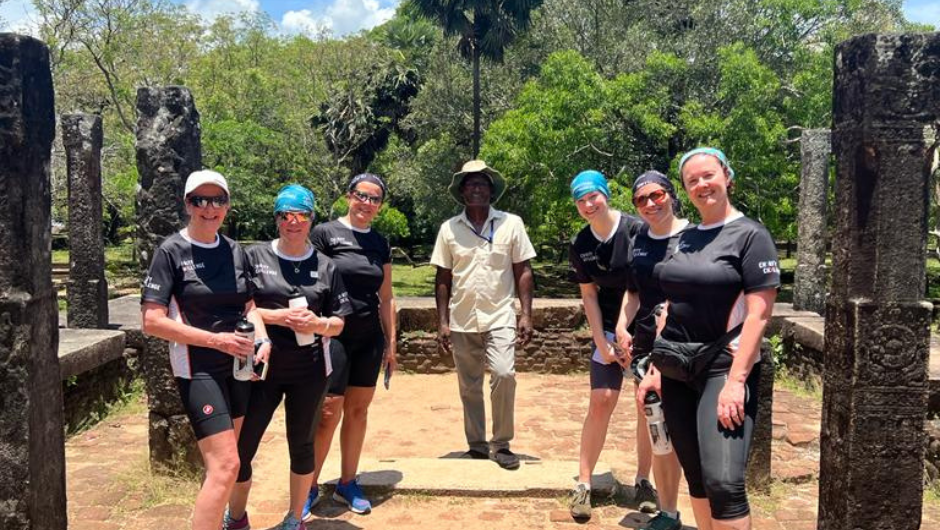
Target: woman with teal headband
[286,270]
[599,256]
[720,283]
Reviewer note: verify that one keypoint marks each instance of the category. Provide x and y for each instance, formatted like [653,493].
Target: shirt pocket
[500,256]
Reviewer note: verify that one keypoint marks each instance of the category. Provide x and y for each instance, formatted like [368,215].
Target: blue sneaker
[313,498]
[235,524]
[351,495]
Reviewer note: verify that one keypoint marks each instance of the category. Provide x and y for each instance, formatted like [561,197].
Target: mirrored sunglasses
[203,201]
[658,197]
[300,217]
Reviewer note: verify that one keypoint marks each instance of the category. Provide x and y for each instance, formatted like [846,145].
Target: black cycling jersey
[604,263]
[360,257]
[648,255]
[204,286]
[315,276]
[707,277]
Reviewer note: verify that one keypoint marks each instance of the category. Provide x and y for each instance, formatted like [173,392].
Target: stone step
[454,477]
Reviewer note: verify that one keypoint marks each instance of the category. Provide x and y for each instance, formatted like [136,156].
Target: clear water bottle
[656,422]
[297,299]
[242,370]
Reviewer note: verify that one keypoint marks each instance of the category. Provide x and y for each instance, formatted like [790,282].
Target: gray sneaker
[644,495]
[291,523]
[579,502]
[663,522]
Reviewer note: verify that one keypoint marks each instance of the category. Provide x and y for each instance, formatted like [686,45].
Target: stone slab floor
[109,487]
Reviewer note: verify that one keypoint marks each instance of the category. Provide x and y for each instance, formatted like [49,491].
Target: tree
[485,28]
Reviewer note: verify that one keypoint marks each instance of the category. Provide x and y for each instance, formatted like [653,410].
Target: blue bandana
[294,198]
[711,151]
[589,181]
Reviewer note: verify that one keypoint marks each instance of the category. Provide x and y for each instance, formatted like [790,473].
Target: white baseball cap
[205,176]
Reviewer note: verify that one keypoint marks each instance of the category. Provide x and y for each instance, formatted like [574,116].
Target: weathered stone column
[87,292]
[168,150]
[32,448]
[810,286]
[885,107]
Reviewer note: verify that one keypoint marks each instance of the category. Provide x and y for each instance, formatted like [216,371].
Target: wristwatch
[259,342]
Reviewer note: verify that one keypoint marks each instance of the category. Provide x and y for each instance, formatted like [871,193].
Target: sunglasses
[202,201]
[658,197]
[365,197]
[300,217]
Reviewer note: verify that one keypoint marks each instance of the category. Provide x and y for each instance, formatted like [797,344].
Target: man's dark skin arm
[525,285]
[442,284]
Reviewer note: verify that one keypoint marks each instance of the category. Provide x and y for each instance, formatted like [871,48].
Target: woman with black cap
[720,285]
[363,258]
[196,292]
[599,261]
[302,299]
[655,200]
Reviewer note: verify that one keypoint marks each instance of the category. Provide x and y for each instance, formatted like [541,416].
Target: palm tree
[485,28]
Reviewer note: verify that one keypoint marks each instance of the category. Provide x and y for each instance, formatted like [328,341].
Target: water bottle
[242,370]
[297,299]
[656,421]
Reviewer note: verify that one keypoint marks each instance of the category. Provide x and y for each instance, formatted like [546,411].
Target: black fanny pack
[685,361]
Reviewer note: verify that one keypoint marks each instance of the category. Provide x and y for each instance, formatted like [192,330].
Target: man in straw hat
[482,258]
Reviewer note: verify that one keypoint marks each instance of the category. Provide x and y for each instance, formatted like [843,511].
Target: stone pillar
[168,150]
[758,464]
[810,286]
[87,290]
[885,107]
[32,447]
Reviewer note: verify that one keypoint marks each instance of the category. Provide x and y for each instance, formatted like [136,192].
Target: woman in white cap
[197,289]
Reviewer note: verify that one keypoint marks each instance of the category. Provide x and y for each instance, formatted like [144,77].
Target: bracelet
[259,342]
[327,328]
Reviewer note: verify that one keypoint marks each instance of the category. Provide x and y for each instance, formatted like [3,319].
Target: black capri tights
[713,458]
[302,404]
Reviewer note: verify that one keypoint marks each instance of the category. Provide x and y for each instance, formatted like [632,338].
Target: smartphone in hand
[388,375]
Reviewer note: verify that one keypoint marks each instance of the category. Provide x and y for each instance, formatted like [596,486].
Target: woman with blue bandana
[286,271]
[599,257]
[720,284]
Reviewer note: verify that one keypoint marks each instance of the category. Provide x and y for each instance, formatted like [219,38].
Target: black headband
[368,177]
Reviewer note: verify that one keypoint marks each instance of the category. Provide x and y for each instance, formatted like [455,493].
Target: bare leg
[353,432]
[667,473]
[299,487]
[644,449]
[703,513]
[329,420]
[220,453]
[601,406]
[742,523]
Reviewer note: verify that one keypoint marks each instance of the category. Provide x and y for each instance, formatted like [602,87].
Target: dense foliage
[617,85]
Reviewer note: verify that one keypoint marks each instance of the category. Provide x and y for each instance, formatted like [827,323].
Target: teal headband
[294,198]
[589,181]
[711,151]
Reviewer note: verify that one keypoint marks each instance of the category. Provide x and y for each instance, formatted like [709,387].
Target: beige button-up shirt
[483,285]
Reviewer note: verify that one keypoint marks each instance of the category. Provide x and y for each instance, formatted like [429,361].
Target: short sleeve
[759,267]
[522,248]
[576,271]
[441,256]
[243,263]
[339,298]
[318,239]
[387,255]
[158,286]
[629,280]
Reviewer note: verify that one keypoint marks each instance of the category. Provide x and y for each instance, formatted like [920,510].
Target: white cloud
[925,12]
[341,17]
[213,9]
[19,16]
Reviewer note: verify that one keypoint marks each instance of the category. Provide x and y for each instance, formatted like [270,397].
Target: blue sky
[340,17]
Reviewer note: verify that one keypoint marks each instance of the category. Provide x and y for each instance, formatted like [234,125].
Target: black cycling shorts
[212,402]
[356,354]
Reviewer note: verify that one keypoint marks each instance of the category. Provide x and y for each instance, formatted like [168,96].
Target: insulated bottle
[656,421]
[242,370]
[297,299]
